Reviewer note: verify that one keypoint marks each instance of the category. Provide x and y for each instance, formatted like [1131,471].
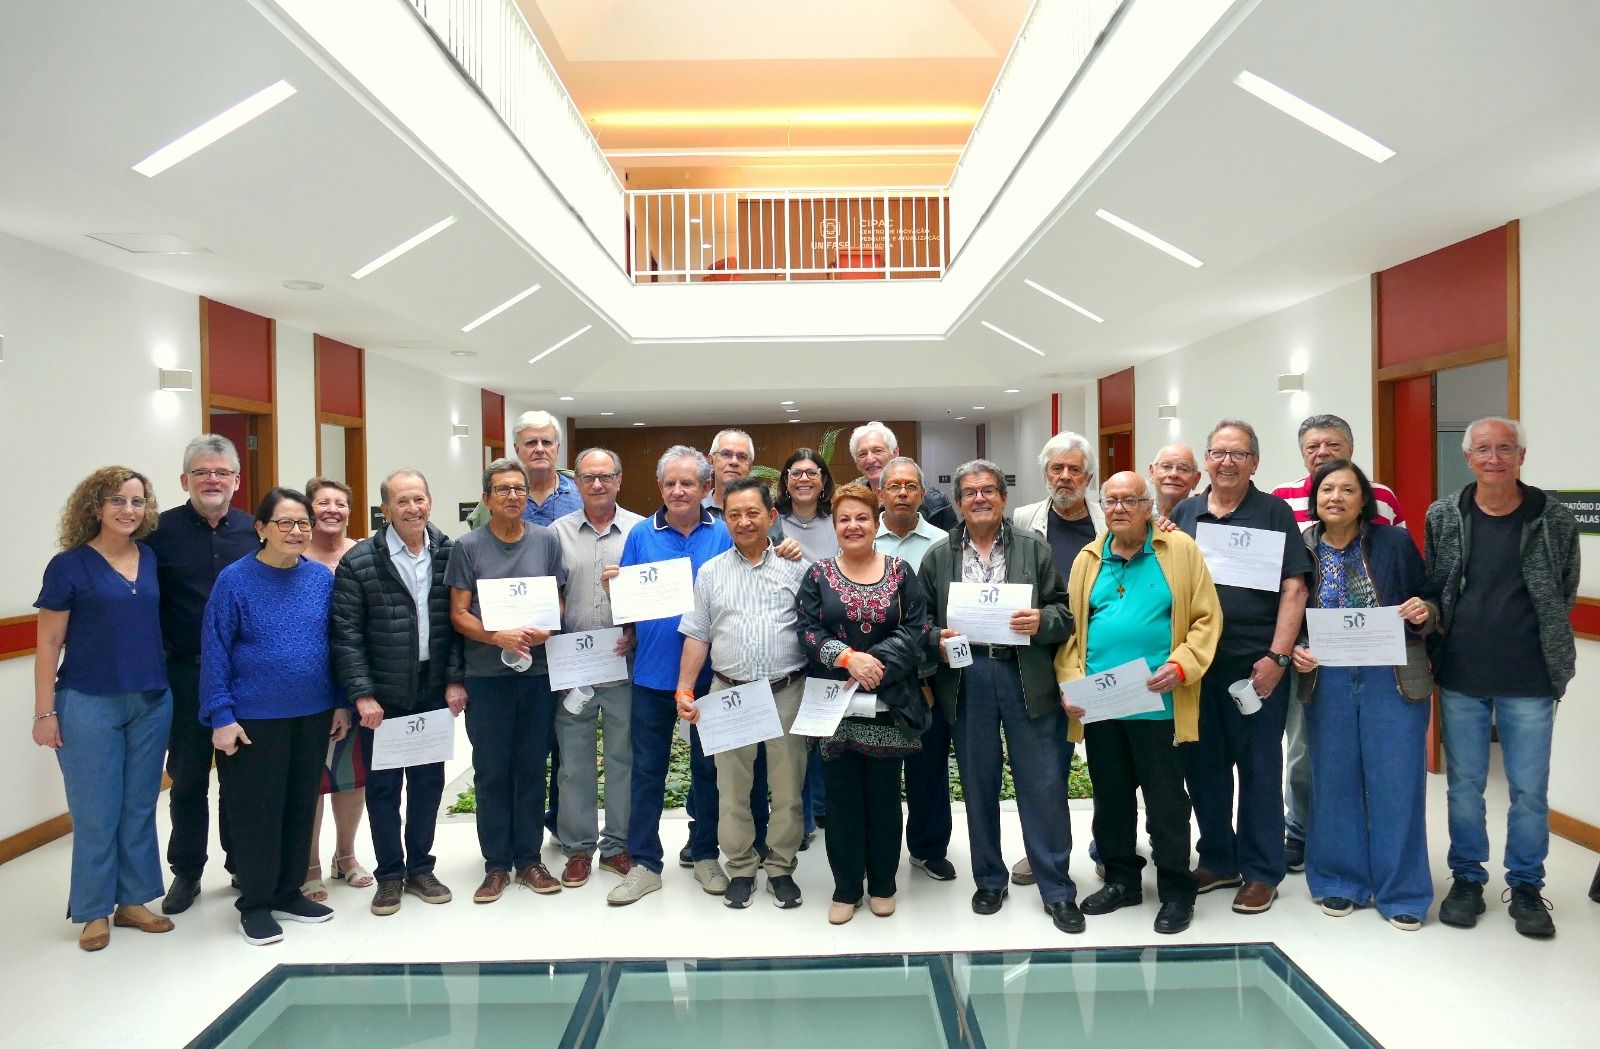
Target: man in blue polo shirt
[680,528]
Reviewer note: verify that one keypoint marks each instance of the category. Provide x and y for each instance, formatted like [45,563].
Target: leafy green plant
[824,450]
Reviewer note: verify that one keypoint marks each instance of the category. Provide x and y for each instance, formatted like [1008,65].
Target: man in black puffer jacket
[397,655]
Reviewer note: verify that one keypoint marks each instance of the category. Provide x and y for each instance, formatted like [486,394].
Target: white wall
[409,415]
[1235,375]
[945,446]
[77,391]
[296,363]
[1560,374]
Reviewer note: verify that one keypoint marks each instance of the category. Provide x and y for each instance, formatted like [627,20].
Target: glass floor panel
[1197,997]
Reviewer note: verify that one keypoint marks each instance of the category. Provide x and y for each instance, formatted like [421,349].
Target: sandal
[355,875]
[315,888]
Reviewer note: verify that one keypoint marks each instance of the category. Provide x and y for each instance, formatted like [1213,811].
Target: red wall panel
[494,417]
[236,428]
[339,378]
[18,636]
[1414,467]
[1451,299]
[241,352]
[1116,399]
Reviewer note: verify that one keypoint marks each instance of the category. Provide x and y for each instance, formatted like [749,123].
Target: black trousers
[408,853]
[928,823]
[1132,756]
[189,754]
[863,824]
[270,791]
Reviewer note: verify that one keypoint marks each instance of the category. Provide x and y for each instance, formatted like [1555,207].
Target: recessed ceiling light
[1314,118]
[794,420]
[608,413]
[303,285]
[960,417]
[1042,290]
[791,410]
[498,310]
[150,243]
[1011,391]
[978,408]
[536,358]
[1007,335]
[565,398]
[463,353]
[1149,238]
[784,404]
[226,122]
[403,247]
[638,424]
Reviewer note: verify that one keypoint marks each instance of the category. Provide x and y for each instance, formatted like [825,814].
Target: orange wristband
[1179,671]
[684,693]
[844,657]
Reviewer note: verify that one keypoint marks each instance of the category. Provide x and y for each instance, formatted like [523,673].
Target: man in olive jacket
[396,655]
[1009,687]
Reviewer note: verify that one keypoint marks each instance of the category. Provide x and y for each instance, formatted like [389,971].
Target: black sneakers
[259,929]
[1294,855]
[738,893]
[1463,904]
[1530,911]
[785,893]
[299,909]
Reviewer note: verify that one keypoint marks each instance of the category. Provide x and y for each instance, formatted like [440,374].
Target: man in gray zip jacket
[1007,687]
[1506,558]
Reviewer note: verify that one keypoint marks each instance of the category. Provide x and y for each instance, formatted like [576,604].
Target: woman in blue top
[1366,725]
[267,694]
[105,710]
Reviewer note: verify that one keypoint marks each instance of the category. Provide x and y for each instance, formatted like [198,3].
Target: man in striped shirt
[1323,439]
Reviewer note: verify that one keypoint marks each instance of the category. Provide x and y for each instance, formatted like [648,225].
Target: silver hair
[905,460]
[716,442]
[1327,422]
[1150,491]
[683,451]
[616,460]
[503,465]
[404,471]
[211,444]
[1067,441]
[979,466]
[1516,428]
[535,420]
[1237,424]
[861,432]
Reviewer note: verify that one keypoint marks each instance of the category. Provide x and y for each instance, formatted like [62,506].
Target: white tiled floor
[1438,987]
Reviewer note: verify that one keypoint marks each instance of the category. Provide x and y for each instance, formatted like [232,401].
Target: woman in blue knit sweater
[267,693]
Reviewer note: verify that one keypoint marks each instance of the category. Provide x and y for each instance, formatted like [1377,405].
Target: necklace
[1122,572]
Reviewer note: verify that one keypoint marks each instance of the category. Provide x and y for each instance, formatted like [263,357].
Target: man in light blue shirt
[902,530]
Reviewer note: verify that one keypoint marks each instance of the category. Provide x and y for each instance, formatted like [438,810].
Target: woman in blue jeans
[1367,840]
[105,709]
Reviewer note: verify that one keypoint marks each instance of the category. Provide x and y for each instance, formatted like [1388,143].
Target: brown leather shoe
[96,935]
[1208,880]
[537,877]
[428,888]
[142,919]
[618,863]
[493,887]
[1022,872]
[576,872]
[387,899]
[1254,897]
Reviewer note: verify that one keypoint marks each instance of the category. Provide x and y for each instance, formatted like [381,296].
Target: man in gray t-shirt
[509,712]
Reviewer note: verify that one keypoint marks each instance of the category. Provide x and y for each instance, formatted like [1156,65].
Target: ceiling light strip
[1068,303]
[1149,238]
[1314,118]
[498,310]
[400,249]
[224,123]
[1005,334]
[536,358]
[885,151]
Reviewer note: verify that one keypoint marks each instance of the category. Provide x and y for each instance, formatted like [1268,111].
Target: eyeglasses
[804,475]
[988,491]
[601,478]
[290,524]
[1219,455]
[518,490]
[732,456]
[1130,503]
[541,442]
[1172,468]
[122,502]
[220,475]
[896,487]
[1501,451]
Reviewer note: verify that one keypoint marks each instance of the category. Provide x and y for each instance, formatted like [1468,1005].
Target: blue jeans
[991,699]
[1252,744]
[509,721]
[655,718]
[110,756]
[1525,725]
[1368,839]
[406,854]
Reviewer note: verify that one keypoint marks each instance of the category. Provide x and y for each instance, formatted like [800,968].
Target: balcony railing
[677,236]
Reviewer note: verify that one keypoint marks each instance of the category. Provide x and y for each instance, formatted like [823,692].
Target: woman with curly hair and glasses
[103,706]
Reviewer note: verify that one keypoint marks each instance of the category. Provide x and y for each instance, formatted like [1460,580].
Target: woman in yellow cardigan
[1141,594]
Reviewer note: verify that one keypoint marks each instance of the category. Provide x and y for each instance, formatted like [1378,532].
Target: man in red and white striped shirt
[1323,439]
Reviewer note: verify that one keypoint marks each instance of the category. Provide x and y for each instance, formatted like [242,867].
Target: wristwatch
[1281,660]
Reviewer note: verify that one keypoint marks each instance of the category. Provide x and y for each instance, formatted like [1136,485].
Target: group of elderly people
[281,647]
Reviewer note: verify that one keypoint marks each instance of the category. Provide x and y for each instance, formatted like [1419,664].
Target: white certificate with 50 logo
[1357,637]
[414,739]
[982,611]
[737,717]
[656,590]
[585,657]
[1113,693]
[1247,557]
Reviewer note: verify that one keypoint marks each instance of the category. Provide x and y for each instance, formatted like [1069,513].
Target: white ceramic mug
[578,698]
[514,661]
[1244,696]
[957,651]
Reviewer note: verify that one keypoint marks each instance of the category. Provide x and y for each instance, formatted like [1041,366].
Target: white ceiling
[1494,110]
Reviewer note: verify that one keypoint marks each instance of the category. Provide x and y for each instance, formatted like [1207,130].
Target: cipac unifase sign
[871,234]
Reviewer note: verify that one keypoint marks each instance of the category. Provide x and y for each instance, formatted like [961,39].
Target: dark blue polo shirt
[189,554]
[1249,617]
[659,646]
